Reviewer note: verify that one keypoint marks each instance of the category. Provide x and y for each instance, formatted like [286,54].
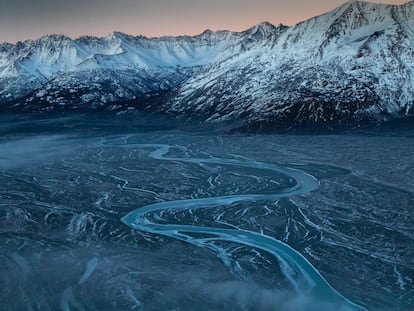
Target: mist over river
[121,213]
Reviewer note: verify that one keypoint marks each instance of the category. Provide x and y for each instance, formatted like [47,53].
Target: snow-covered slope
[113,68]
[352,64]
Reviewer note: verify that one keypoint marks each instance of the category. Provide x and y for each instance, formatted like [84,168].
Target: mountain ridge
[351,65]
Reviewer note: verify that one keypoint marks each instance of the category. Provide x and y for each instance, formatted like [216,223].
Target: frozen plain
[339,205]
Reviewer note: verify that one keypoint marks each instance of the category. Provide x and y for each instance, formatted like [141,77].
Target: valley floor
[66,183]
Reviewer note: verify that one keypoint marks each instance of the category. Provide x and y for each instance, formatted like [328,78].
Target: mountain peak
[54,37]
[264,29]
[118,35]
[264,26]
[207,32]
[366,4]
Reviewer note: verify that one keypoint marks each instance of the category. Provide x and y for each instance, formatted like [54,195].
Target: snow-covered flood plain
[111,213]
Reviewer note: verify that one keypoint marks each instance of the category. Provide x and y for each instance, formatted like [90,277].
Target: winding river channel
[310,286]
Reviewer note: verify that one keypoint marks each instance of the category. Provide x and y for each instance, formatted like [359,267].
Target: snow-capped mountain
[94,71]
[352,64]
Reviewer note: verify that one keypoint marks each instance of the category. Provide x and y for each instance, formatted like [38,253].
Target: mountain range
[349,66]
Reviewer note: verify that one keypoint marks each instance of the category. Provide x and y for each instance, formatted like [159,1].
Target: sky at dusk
[30,19]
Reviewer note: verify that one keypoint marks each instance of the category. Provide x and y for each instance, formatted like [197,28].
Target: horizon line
[207,29]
